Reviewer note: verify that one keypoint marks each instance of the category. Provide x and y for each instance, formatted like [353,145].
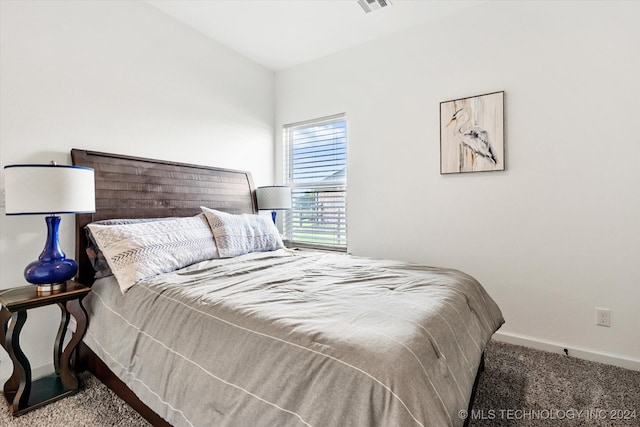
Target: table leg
[59,343]
[18,386]
[12,384]
[67,375]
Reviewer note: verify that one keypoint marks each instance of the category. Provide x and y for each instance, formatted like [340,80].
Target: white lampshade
[48,189]
[274,197]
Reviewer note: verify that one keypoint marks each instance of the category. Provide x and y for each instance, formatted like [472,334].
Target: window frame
[340,236]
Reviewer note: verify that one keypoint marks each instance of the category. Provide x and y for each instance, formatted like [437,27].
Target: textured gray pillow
[140,251]
[96,257]
[241,234]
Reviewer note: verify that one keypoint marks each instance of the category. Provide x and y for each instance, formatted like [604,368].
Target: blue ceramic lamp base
[53,269]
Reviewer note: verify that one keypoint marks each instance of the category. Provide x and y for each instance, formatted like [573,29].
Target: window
[315,163]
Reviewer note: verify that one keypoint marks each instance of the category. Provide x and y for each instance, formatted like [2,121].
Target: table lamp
[49,190]
[274,198]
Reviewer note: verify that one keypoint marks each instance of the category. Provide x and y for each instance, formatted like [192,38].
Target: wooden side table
[22,394]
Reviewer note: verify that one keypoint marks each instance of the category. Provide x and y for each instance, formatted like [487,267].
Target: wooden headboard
[135,187]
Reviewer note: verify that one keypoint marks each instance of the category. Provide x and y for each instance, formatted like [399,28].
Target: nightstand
[22,394]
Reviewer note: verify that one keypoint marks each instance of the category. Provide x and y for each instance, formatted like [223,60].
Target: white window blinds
[315,163]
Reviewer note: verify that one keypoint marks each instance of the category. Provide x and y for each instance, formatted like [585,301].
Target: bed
[271,337]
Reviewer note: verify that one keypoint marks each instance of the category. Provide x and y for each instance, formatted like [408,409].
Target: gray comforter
[291,338]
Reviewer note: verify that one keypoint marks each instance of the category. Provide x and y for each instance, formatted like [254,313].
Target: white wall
[116,76]
[555,235]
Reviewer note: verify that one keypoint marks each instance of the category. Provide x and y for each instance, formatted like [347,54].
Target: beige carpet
[94,406]
[520,387]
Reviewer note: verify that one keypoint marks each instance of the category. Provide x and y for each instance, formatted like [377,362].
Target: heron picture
[472,134]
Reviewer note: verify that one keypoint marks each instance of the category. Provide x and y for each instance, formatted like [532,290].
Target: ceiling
[279,34]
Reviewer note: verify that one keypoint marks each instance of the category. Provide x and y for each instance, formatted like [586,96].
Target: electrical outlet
[603,317]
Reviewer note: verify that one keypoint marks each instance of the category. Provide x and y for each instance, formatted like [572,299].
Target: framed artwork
[472,134]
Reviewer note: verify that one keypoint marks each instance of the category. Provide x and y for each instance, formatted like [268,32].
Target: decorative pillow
[96,257]
[241,234]
[140,251]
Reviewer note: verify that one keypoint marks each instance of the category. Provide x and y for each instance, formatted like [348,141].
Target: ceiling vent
[372,5]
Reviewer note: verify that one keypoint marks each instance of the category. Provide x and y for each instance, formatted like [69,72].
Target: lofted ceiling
[279,34]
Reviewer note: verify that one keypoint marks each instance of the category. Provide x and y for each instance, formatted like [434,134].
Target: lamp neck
[52,250]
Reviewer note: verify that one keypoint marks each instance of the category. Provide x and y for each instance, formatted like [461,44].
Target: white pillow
[140,251]
[242,234]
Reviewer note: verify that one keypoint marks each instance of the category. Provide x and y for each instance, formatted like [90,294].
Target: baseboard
[6,369]
[580,353]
